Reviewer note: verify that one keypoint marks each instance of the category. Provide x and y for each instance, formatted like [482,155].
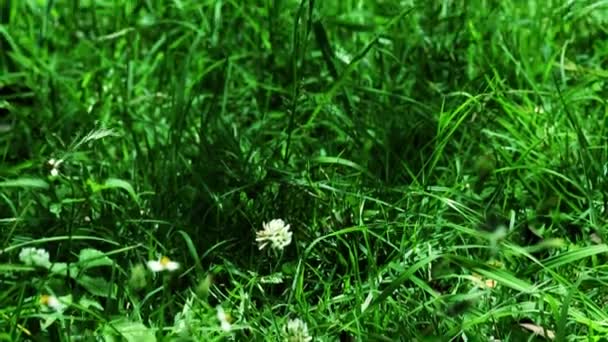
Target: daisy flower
[51,302]
[163,264]
[276,233]
[224,319]
[296,330]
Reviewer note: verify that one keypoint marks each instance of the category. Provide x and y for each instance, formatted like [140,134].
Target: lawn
[356,170]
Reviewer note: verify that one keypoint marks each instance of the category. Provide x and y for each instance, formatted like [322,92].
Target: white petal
[55,304]
[226,326]
[172,266]
[155,266]
[221,316]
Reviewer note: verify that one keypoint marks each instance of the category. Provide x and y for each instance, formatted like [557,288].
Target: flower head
[296,330]
[164,264]
[224,318]
[54,165]
[276,233]
[51,302]
[35,257]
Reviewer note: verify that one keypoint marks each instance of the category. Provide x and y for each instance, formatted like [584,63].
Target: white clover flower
[164,264]
[276,233]
[224,319]
[296,330]
[52,302]
[35,257]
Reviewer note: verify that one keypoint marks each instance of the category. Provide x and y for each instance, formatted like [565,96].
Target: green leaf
[505,278]
[5,268]
[87,303]
[399,281]
[129,331]
[61,268]
[114,183]
[119,183]
[574,255]
[90,257]
[55,208]
[97,286]
[340,161]
[25,183]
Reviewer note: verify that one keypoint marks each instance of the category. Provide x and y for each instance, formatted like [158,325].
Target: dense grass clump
[303,170]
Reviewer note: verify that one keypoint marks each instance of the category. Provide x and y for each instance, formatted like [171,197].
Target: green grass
[442,166]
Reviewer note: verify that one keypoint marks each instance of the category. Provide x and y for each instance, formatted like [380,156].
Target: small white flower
[164,264]
[224,319]
[275,232]
[35,257]
[54,164]
[296,331]
[51,302]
